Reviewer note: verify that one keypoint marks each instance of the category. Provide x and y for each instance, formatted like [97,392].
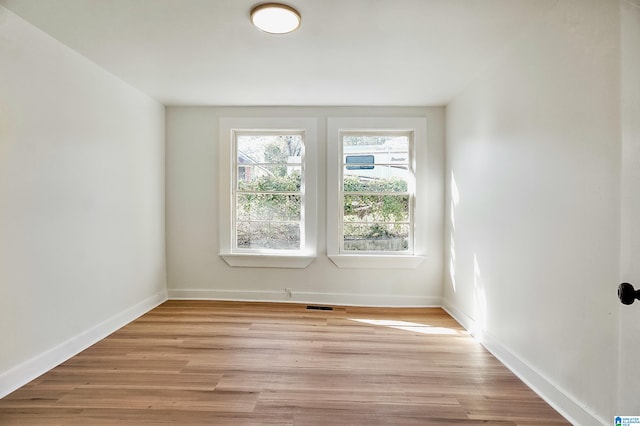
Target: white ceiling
[347,52]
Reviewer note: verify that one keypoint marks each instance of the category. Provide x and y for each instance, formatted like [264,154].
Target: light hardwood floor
[228,363]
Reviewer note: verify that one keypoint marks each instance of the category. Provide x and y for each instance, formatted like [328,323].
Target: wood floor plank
[241,363]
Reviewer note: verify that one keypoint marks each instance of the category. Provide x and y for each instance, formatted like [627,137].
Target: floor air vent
[320,308]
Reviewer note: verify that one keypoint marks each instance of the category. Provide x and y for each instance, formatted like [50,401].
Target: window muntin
[376,192]
[268,191]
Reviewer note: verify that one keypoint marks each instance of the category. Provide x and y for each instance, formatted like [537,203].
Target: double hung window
[268,191]
[376,194]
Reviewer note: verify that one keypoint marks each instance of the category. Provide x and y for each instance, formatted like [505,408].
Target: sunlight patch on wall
[479,301]
[455,200]
[452,262]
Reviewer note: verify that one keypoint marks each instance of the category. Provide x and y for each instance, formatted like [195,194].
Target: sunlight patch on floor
[408,326]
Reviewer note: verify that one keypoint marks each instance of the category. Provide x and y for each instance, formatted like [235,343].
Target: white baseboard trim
[560,400]
[339,299]
[31,369]
[463,319]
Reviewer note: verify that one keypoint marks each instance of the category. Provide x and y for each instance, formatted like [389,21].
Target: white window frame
[336,127]
[266,258]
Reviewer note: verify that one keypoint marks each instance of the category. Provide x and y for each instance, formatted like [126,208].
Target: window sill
[376,261]
[252,260]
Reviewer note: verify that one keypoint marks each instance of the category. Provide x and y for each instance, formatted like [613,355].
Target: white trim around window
[229,129]
[416,251]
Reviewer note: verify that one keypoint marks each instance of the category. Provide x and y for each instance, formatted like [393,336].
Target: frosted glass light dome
[275,18]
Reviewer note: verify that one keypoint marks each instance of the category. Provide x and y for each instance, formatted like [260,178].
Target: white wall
[194,268]
[81,202]
[533,162]
[630,253]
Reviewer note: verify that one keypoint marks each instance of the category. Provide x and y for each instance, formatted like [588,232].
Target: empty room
[354,212]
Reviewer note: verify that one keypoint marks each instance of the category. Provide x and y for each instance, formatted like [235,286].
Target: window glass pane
[280,178]
[376,237]
[268,235]
[389,179]
[279,149]
[268,207]
[376,208]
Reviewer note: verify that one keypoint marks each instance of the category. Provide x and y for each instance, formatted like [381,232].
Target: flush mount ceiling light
[275,18]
